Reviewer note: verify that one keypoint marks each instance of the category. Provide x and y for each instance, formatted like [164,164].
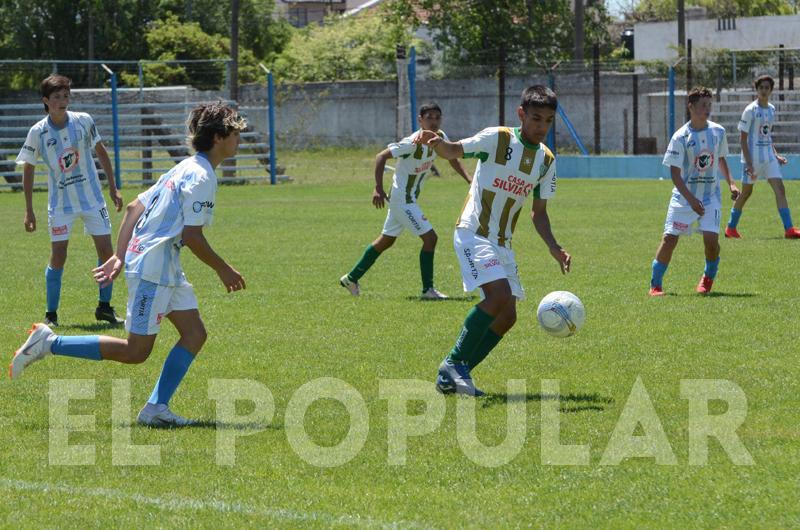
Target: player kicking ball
[512,164]
[414,163]
[761,159]
[169,215]
[65,140]
[695,155]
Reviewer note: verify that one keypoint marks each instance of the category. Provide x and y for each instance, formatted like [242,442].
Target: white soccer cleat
[455,378]
[159,415]
[36,348]
[350,285]
[433,294]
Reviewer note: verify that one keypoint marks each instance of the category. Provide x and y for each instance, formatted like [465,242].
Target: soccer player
[64,140]
[513,163]
[760,158]
[414,162]
[169,215]
[695,155]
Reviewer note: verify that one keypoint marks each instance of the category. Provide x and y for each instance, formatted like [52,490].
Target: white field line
[187,504]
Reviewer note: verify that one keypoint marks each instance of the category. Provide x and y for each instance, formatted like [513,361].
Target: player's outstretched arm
[445,149]
[379,197]
[541,221]
[726,173]
[680,185]
[459,168]
[108,271]
[105,163]
[27,187]
[194,239]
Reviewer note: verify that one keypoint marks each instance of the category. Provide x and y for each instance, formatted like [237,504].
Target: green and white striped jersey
[414,163]
[509,169]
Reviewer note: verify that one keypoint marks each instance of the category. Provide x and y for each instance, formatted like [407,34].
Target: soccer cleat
[457,375]
[37,347]
[656,291]
[159,415]
[792,233]
[704,287]
[432,294]
[350,285]
[51,319]
[106,312]
[444,385]
[732,233]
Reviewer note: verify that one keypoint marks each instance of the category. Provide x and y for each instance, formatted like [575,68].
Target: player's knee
[669,240]
[194,338]
[136,353]
[746,192]
[429,240]
[510,318]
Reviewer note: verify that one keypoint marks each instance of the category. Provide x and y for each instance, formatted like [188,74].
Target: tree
[665,9]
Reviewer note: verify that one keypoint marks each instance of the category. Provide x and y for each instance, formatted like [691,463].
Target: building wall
[658,40]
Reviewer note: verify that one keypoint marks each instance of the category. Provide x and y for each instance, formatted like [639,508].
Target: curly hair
[210,119]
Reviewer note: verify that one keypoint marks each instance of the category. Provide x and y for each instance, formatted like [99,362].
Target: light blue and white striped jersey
[184,196]
[697,153]
[757,122]
[73,184]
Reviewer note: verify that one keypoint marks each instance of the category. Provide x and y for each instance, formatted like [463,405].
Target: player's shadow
[567,402]
[217,426]
[715,294]
[461,298]
[93,328]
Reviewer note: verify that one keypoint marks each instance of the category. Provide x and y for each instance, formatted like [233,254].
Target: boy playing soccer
[760,158]
[695,154]
[513,163]
[65,141]
[169,215]
[414,162]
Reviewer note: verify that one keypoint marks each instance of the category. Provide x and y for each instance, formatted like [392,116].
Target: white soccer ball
[561,313]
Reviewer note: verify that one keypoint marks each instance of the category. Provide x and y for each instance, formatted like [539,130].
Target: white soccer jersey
[757,122]
[413,165]
[697,153]
[508,170]
[182,197]
[73,183]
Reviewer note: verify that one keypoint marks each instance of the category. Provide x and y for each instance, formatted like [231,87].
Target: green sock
[475,326]
[363,265]
[426,268]
[486,345]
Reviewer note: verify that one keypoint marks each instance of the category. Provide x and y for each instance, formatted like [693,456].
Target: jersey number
[508,153]
[146,214]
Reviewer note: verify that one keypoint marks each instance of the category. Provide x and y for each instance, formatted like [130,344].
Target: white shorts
[402,216]
[483,261]
[150,302]
[766,170]
[95,222]
[681,219]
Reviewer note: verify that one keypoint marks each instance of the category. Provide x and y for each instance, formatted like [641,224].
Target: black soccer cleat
[106,313]
[51,319]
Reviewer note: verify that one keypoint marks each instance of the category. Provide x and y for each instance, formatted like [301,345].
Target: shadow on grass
[567,402]
[94,328]
[461,298]
[215,425]
[715,294]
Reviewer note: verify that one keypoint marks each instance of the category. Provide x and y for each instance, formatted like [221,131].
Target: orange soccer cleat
[792,233]
[656,291]
[704,287]
[732,233]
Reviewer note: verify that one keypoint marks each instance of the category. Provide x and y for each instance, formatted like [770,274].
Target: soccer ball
[561,313]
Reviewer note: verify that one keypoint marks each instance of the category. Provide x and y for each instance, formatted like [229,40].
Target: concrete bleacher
[786,131]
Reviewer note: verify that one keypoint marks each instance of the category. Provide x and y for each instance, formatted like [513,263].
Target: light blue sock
[105,292]
[175,368]
[82,347]
[711,268]
[52,278]
[736,214]
[658,273]
[786,217]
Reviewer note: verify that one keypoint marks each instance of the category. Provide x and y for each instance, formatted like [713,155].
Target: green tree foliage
[345,48]
[666,9]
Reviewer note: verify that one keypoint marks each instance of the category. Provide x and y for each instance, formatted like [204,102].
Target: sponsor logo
[143,305]
[691,143]
[472,269]
[59,230]
[673,153]
[413,220]
[28,148]
[68,159]
[198,206]
[51,142]
[704,161]
[159,317]
[514,185]
[103,213]
[170,185]
[424,167]
[681,227]
[136,246]
[494,262]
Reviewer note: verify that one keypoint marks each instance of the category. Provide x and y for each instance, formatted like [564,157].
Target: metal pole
[671,99]
[551,134]
[689,79]
[596,76]
[273,162]
[412,86]
[115,126]
[635,114]
[781,63]
[733,65]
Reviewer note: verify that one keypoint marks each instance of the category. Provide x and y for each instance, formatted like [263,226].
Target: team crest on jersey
[704,161]
[765,129]
[68,159]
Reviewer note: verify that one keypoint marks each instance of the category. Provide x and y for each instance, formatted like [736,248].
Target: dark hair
[427,107]
[538,96]
[209,119]
[697,93]
[53,83]
[768,78]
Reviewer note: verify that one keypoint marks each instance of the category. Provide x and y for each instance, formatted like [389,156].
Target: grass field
[294,324]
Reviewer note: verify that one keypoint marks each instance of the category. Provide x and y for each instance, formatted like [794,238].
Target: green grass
[294,324]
